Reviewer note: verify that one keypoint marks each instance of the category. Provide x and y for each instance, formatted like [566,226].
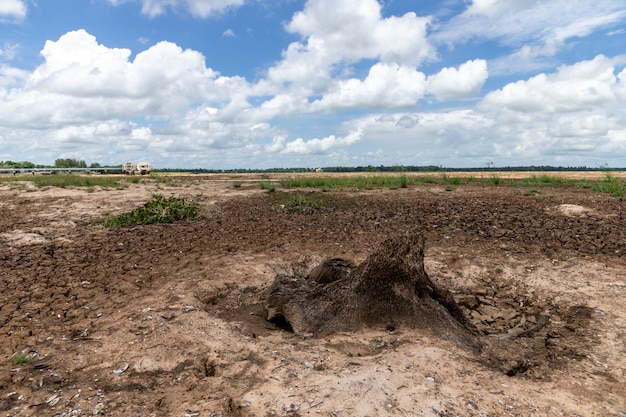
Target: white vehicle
[131,168]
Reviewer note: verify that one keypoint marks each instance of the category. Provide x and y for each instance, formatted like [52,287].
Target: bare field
[169,320]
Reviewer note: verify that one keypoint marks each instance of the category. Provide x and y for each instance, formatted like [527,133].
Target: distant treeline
[395,168]
[58,163]
[76,163]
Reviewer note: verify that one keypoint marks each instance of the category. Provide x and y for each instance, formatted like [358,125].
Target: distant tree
[95,165]
[69,163]
[12,164]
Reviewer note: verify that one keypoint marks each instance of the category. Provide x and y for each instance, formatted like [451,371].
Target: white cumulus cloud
[453,83]
[13,9]
[346,32]
[582,86]
[81,80]
[386,86]
[312,146]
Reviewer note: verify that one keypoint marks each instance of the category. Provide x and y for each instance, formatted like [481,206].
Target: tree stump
[390,289]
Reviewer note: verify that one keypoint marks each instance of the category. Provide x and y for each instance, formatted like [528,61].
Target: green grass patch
[67,180]
[356,182]
[298,202]
[270,186]
[544,180]
[612,185]
[158,210]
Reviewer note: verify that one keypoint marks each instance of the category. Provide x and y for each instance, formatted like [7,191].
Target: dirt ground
[168,320]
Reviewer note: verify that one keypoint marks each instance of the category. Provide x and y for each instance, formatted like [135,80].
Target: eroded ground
[167,320]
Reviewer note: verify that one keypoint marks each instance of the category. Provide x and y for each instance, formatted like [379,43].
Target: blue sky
[289,83]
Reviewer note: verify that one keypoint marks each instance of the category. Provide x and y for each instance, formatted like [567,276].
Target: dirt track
[167,320]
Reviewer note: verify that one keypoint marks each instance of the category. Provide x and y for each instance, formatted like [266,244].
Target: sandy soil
[168,320]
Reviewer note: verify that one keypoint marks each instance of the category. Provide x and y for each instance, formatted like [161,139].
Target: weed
[495,179]
[237,184]
[21,359]
[158,210]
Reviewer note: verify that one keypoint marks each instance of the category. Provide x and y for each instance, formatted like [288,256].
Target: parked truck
[142,168]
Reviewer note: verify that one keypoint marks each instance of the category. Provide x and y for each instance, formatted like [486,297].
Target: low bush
[159,210]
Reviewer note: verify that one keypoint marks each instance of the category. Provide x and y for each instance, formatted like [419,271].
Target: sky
[257,84]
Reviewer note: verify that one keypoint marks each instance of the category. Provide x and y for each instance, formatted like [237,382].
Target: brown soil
[168,320]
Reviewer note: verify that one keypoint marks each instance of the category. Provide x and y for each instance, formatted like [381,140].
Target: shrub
[158,210]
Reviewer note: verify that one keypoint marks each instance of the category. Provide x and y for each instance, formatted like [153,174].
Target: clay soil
[168,320]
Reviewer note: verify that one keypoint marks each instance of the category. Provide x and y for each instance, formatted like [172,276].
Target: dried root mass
[390,289]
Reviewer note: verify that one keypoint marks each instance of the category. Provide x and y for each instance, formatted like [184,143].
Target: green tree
[69,163]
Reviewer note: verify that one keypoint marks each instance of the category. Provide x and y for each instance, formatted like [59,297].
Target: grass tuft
[21,359]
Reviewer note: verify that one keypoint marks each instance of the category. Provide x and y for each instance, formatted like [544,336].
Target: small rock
[53,400]
[121,370]
[53,378]
[430,378]
[98,409]
[37,384]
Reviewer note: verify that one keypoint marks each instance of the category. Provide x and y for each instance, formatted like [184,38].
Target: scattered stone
[121,370]
[36,384]
[52,400]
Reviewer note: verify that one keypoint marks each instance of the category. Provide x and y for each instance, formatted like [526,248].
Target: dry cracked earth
[169,320]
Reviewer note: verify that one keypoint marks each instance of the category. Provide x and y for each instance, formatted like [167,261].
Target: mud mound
[389,289]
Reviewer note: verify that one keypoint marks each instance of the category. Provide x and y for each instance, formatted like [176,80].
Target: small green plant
[158,210]
[20,359]
[237,184]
